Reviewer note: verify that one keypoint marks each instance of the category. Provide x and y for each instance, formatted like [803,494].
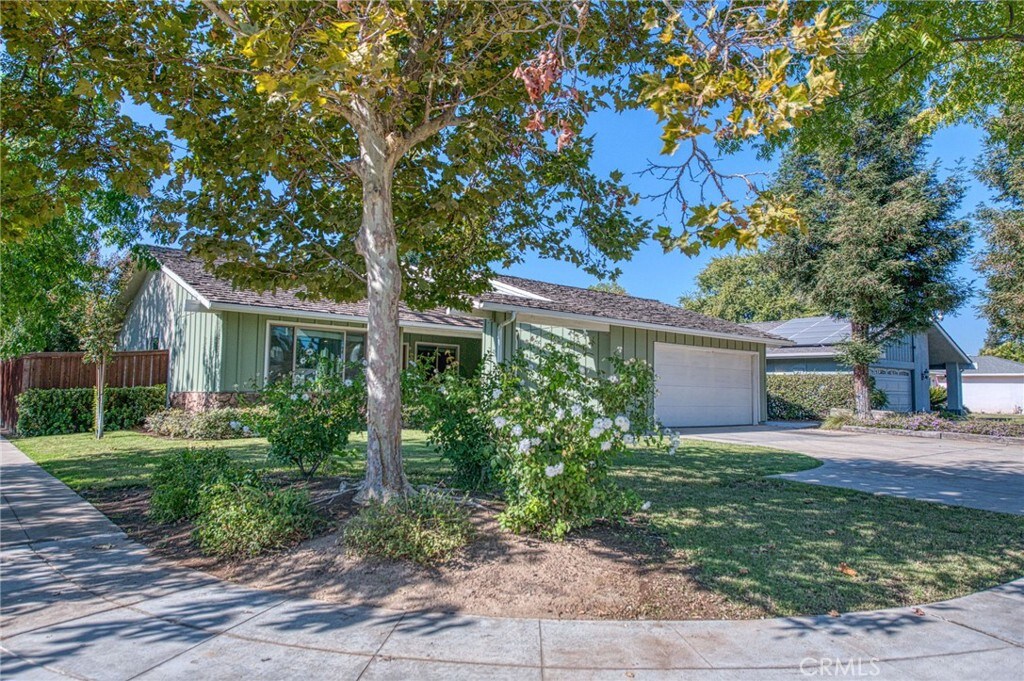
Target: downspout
[501,335]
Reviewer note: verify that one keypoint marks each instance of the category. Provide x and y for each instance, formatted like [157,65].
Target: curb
[938,435]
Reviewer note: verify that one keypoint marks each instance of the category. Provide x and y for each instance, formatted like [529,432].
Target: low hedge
[810,396]
[214,424]
[57,411]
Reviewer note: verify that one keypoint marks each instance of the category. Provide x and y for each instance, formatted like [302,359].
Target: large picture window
[298,349]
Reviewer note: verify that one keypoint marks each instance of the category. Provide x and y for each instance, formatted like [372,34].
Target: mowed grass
[794,548]
[127,458]
[787,547]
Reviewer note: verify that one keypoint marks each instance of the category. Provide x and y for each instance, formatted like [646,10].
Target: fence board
[68,370]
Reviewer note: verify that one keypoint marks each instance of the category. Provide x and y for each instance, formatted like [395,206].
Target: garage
[705,386]
[897,386]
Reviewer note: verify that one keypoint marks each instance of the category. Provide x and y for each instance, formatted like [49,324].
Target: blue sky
[627,141]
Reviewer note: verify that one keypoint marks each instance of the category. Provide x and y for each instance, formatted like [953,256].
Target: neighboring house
[224,341]
[993,385]
[902,372]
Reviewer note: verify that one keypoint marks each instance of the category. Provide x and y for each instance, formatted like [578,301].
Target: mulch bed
[605,572]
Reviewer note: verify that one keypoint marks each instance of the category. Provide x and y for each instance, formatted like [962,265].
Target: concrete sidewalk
[984,475]
[81,600]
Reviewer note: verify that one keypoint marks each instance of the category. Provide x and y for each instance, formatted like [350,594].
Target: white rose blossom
[305,397]
[606,445]
[524,446]
[622,423]
[552,471]
[646,506]
[576,410]
[517,430]
[500,421]
[559,414]
[613,379]
[596,432]
[348,382]
[534,441]
[542,429]
[235,425]
[496,393]
[293,397]
[628,439]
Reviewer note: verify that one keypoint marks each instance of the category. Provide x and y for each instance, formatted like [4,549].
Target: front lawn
[764,545]
[127,458]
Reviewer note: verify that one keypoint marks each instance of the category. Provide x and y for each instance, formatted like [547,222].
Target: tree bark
[861,376]
[101,378]
[378,244]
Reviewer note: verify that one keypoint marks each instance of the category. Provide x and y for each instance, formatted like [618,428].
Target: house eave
[440,329]
[595,319]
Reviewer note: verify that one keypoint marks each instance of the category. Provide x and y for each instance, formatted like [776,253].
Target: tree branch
[219,12]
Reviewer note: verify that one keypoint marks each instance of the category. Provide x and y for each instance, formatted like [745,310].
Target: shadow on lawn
[792,548]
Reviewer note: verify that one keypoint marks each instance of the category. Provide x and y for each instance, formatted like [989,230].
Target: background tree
[96,316]
[50,267]
[881,242]
[746,288]
[611,286]
[1002,260]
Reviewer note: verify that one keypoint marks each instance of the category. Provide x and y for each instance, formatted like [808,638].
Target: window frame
[295,326]
[439,346]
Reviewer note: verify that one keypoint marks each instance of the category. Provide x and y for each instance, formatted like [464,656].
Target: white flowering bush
[557,430]
[310,415]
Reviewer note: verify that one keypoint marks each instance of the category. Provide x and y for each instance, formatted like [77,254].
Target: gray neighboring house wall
[224,341]
[904,370]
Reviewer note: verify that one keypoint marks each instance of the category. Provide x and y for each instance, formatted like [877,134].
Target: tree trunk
[101,378]
[378,244]
[861,376]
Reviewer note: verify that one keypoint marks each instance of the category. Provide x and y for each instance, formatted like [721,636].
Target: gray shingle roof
[192,271]
[615,308]
[550,298]
[985,364]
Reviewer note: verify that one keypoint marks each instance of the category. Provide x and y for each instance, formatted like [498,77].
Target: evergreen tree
[881,242]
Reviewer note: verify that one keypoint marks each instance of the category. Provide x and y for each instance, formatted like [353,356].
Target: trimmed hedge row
[57,411]
[810,396]
[214,424]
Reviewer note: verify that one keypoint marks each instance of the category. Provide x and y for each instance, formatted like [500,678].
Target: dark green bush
[424,528]
[56,411]
[181,477]
[214,424]
[810,396]
[246,518]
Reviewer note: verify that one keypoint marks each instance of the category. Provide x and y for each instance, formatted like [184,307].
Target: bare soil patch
[605,572]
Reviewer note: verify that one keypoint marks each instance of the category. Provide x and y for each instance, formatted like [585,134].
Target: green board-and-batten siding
[502,338]
[226,351]
[160,311]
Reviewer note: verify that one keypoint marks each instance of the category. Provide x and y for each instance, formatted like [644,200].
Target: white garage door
[896,384]
[704,387]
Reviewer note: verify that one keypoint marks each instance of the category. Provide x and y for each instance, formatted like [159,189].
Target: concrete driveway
[980,475]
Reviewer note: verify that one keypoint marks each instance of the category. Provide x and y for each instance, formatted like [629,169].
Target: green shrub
[937,397]
[181,476]
[245,518]
[424,528]
[452,409]
[214,424]
[811,396]
[58,411]
[309,417]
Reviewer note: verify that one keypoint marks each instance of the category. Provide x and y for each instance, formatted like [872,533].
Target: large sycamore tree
[882,240]
[396,150]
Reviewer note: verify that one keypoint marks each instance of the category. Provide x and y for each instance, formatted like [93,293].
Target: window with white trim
[438,356]
[297,349]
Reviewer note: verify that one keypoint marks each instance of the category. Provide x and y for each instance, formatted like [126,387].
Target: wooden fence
[67,370]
